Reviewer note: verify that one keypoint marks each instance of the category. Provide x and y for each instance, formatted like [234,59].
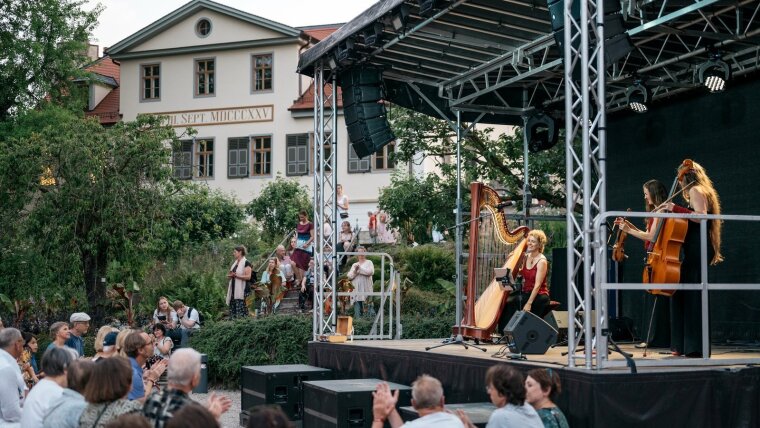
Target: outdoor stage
[716,396]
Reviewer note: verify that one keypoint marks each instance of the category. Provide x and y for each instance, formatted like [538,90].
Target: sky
[121,18]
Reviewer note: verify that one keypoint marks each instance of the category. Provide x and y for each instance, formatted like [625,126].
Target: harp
[490,241]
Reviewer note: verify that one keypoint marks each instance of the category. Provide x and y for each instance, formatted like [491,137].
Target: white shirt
[38,402]
[191,314]
[12,388]
[437,420]
[511,416]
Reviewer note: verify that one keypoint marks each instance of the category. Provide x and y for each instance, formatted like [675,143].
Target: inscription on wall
[222,116]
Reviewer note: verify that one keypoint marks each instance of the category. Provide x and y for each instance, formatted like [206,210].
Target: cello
[663,264]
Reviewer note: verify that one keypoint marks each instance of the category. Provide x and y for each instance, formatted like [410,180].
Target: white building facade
[231,76]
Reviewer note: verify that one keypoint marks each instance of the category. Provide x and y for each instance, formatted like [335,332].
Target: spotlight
[345,52]
[398,18]
[373,35]
[638,97]
[429,7]
[714,74]
[542,132]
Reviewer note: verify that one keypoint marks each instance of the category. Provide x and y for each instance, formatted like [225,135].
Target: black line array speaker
[526,333]
[277,384]
[345,403]
[365,114]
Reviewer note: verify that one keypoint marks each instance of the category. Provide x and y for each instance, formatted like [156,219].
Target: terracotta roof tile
[321,32]
[105,66]
[306,100]
[108,108]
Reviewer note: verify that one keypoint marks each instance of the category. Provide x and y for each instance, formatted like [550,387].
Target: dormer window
[203,27]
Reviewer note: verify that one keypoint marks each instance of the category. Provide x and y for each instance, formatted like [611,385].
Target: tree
[79,191]
[419,205]
[483,158]
[42,46]
[277,206]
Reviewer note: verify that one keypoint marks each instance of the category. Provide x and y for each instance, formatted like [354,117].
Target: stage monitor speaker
[345,403]
[277,384]
[526,333]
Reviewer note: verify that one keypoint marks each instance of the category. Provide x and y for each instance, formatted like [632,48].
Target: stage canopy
[483,56]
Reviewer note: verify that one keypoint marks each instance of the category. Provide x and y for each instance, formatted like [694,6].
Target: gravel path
[231,419]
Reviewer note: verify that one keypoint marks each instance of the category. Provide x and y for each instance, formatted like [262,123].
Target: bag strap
[190,310]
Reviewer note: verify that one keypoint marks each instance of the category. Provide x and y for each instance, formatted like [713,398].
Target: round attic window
[203,27]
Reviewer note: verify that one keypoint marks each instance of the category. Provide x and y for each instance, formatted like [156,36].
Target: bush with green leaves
[425,264]
[276,207]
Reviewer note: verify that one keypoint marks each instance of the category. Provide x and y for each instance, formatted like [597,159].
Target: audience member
[342,201]
[139,347]
[268,417]
[129,420]
[189,321]
[164,314]
[372,226]
[55,363]
[106,394]
[345,239]
[307,287]
[79,325]
[542,387]
[59,333]
[273,278]
[361,276]
[286,266]
[240,273]
[107,347]
[193,416]
[100,338]
[184,373]
[303,249]
[506,388]
[28,360]
[66,411]
[120,338]
[162,345]
[427,400]
[13,386]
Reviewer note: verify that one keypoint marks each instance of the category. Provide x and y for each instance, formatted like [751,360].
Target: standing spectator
[28,360]
[189,321]
[342,200]
[372,226]
[542,387]
[273,279]
[345,238]
[79,325]
[106,392]
[304,239]
[139,348]
[307,287]
[427,400]
[162,345]
[66,411]
[59,333]
[238,277]
[506,388]
[55,362]
[13,386]
[184,374]
[100,340]
[361,276]
[164,314]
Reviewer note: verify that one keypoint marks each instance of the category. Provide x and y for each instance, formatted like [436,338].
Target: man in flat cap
[79,324]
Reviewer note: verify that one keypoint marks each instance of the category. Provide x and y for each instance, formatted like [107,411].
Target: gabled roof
[191,8]
[319,32]
[306,100]
[107,71]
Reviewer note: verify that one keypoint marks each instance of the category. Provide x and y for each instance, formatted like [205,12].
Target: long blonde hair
[696,177]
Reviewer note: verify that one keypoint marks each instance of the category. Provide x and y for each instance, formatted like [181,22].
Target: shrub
[427,303]
[425,264]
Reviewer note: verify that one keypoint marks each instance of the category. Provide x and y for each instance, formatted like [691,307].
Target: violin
[618,249]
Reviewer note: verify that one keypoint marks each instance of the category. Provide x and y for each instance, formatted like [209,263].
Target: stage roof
[478,56]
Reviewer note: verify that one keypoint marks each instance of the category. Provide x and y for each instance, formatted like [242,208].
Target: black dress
[686,306]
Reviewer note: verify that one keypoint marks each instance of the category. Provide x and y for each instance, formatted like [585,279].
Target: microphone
[505,204]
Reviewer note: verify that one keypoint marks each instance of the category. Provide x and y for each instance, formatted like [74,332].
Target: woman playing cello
[655,195]
[685,306]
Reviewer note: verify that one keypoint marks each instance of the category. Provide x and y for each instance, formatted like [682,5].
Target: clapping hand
[218,404]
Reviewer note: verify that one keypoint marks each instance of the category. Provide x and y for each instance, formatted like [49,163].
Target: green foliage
[277,206]
[42,46]
[426,303]
[230,345]
[198,215]
[417,206]
[424,264]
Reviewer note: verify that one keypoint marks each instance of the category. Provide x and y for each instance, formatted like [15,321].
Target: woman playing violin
[686,314]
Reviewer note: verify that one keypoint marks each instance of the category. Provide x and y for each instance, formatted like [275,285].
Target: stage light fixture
[345,52]
[373,35]
[398,18]
[542,132]
[638,97]
[429,7]
[714,74]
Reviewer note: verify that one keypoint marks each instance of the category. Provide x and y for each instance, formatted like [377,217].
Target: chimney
[93,51]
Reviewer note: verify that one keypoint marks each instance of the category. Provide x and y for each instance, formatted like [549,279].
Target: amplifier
[278,384]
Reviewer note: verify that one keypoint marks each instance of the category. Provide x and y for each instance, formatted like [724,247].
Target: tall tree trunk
[94,265]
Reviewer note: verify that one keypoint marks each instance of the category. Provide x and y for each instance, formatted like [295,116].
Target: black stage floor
[668,397]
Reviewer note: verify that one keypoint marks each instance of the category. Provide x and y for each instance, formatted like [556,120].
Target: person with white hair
[183,374]
[11,347]
[55,363]
[427,400]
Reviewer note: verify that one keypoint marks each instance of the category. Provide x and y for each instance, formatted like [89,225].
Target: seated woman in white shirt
[162,344]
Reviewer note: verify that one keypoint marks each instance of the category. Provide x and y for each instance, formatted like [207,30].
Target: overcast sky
[122,18]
